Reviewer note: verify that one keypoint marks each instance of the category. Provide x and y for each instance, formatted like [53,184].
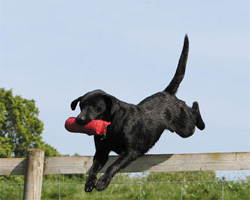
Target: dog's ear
[112,104]
[115,106]
[74,103]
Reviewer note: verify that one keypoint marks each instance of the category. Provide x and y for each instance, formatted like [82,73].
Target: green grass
[186,185]
[11,191]
[152,190]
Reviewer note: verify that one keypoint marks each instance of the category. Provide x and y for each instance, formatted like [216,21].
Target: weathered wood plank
[12,166]
[63,165]
[147,163]
[155,163]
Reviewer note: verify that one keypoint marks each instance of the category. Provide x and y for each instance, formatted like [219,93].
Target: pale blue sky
[54,51]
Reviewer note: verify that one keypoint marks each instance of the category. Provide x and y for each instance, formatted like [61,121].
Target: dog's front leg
[123,161]
[100,159]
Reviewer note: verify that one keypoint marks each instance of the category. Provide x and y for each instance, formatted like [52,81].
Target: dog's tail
[180,71]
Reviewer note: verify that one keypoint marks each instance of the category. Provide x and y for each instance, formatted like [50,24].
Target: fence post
[34,175]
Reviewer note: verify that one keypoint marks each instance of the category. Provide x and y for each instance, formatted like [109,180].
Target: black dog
[135,129]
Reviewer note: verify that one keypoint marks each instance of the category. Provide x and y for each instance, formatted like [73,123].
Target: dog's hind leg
[199,121]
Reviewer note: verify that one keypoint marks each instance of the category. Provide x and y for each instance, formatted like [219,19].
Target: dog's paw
[102,184]
[90,185]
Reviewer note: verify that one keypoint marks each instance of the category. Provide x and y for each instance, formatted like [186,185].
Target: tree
[20,127]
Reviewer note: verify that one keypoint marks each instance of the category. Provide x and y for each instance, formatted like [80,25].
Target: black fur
[135,129]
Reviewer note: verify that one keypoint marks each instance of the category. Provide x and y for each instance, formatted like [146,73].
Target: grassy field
[186,186]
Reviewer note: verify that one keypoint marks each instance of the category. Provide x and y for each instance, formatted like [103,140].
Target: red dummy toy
[95,127]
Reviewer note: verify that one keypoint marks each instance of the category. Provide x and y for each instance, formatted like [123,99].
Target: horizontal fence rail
[147,163]
[36,165]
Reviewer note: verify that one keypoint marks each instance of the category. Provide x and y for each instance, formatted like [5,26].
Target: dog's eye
[99,109]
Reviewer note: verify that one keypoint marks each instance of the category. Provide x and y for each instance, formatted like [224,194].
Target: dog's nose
[80,121]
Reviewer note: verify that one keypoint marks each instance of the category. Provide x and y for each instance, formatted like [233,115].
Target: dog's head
[95,105]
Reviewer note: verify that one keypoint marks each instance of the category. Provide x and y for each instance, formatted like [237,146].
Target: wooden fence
[35,165]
